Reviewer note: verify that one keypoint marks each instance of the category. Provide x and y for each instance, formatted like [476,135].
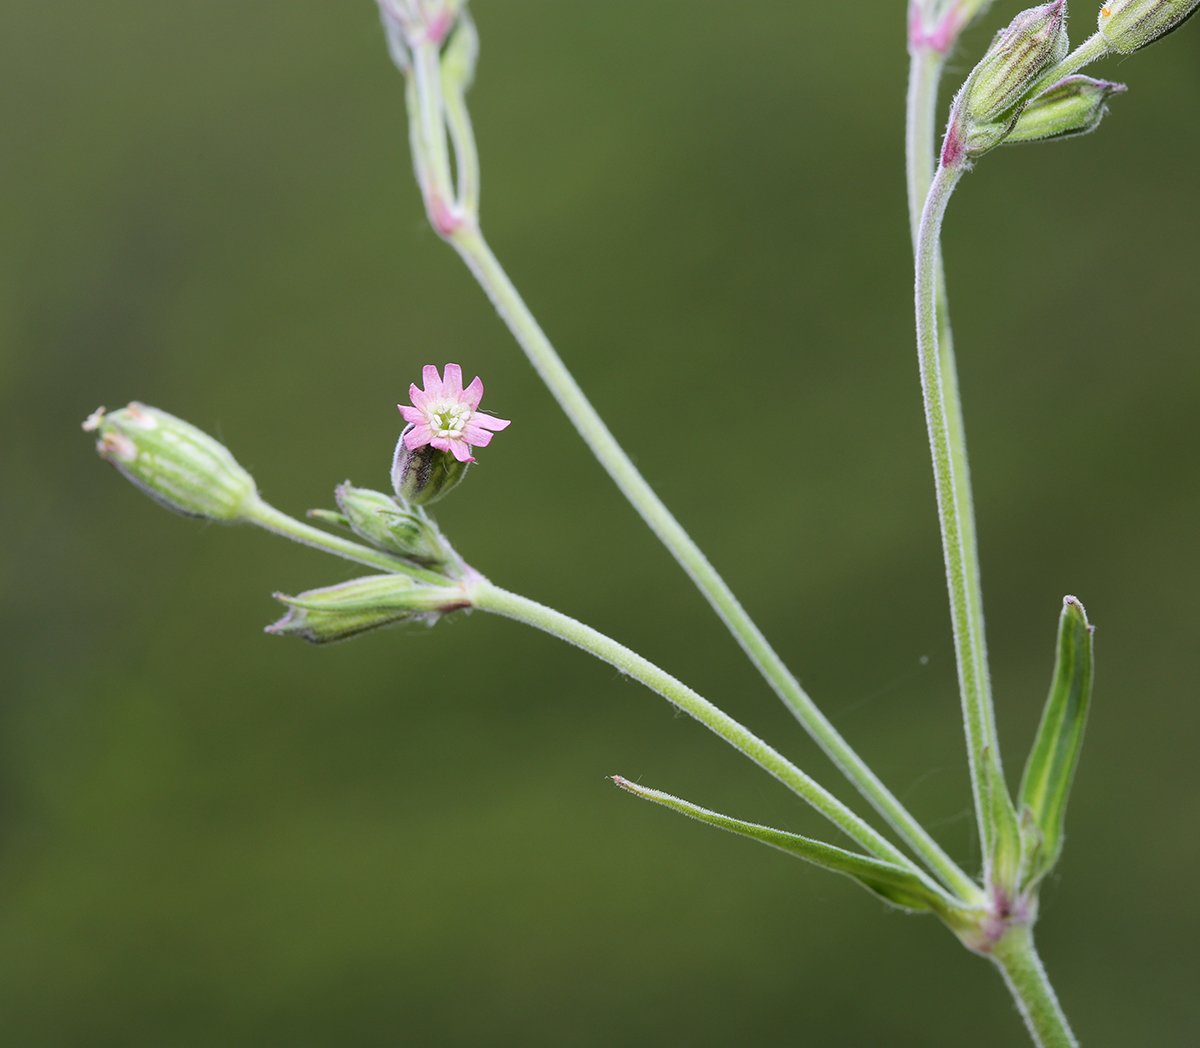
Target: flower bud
[1073,106]
[339,612]
[1033,40]
[173,462]
[424,474]
[1127,25]
[384,523]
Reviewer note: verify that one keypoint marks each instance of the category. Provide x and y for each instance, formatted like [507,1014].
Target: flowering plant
[1025,87]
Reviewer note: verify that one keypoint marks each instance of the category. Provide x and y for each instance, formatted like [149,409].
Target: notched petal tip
[452,382]
[432,380]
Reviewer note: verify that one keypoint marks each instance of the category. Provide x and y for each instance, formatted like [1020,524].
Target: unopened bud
[384,523]
[423,475]
[1127,25]
[1033,40]
[173,462]
[339,612]
[1073,106]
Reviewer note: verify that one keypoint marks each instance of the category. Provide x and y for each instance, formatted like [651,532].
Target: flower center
[448,418]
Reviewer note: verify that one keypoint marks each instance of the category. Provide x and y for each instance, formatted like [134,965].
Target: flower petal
[414,415]
[489,422]
[418,436]
[433,382]
[419,397]
[452,384]
[473,394]
[461,450]
[476,437]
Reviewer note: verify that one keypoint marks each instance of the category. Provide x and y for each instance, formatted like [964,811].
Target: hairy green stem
[1091,50]
[430,118]
[1021,966]
[1014,953]
[487,270]
[954,513]
[488,597]
[924,74]
[466,155]
[267,516]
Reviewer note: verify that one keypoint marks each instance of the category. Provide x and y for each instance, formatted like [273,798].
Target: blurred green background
[216,837]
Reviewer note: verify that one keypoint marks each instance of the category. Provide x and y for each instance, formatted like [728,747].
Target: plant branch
[508,302]
[955,515]
[926,67]
[268,517]
[1091,50]
[489,597]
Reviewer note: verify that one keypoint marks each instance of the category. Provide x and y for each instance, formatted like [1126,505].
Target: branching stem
[929,194]
[488,597]
[487,270]
[268,517]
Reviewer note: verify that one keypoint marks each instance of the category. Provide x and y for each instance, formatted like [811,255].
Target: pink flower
[443,414]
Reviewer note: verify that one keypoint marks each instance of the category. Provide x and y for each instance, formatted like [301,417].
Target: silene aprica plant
[1026,87]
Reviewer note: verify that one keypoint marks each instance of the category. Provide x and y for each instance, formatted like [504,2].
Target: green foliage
[1050,768]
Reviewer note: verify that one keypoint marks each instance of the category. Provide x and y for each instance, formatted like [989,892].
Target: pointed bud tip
[1032,41]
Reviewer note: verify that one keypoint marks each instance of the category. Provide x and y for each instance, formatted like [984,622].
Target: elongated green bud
[388,524]
[339,612]
[425,474]
[1127,25]
[1046,783]
[1073,106]
[173,462]
[1035,39]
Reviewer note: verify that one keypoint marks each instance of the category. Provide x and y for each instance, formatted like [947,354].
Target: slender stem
[954,512]
[1092,49]
[466,155]
[1014,954]
[488,597]
[487,270]
[925,72]
[430,113]
[266,516]
[1021,966]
